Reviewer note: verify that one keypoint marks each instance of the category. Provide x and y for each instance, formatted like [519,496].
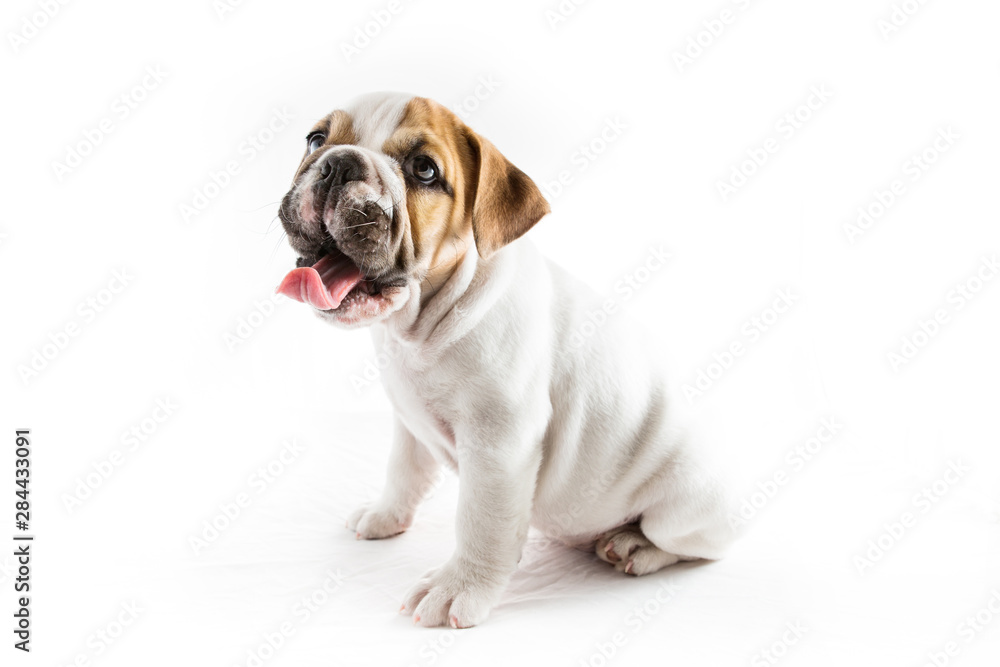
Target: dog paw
[372,523]
[631,552]
[451,596]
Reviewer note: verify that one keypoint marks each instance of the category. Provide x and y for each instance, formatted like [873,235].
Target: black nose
[341,169]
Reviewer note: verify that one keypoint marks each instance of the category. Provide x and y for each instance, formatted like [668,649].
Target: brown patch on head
[439,224]
[339,128]
[482,197]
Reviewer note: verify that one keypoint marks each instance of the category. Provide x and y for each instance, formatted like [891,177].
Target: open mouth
[328,283]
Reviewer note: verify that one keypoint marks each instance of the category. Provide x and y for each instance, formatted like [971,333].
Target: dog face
[391,194]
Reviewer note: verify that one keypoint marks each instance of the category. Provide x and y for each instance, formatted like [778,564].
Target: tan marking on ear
[492,202]
[507,202]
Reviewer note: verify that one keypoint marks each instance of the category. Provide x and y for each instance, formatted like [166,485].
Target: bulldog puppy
[408,222]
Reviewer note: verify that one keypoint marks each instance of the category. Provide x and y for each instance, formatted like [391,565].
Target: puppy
[408,222]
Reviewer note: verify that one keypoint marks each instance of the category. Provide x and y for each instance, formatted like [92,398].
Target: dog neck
[457,306]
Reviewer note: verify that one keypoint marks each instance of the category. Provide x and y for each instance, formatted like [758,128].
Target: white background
[195,286]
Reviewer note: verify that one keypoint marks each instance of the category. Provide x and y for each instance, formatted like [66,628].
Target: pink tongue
[322,285]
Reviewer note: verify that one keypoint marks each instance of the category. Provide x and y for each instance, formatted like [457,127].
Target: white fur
[577,440]
[484,379]
[376,116]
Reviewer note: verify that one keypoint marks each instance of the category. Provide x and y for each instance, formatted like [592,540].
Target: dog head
[391,194]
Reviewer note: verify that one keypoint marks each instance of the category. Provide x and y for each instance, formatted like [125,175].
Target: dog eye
[423,169]
[314,141]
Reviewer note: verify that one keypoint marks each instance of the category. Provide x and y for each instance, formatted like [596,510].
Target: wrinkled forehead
[391,123]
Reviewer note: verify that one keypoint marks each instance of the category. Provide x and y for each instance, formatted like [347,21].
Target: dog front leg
[496,486]
[410,477]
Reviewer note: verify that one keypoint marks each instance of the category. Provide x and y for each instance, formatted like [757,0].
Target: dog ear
[505,202]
